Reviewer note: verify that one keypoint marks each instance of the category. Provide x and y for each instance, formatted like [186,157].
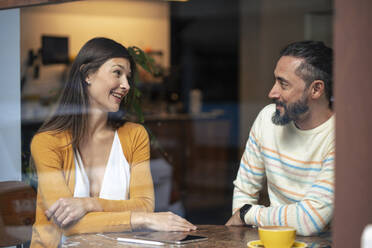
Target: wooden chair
[17,213]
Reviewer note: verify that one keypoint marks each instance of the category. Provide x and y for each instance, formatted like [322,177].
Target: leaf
[137,92]
[142,59]
[134,98]
[138,110]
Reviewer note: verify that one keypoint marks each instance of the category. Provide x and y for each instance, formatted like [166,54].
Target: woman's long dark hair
[73,105]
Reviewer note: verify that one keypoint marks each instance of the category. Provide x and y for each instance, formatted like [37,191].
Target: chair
[17,213]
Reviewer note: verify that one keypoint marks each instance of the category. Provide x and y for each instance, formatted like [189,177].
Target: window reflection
[215,60]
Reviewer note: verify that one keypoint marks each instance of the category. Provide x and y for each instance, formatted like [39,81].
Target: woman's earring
[88,83]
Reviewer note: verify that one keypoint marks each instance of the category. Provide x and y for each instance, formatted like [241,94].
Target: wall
[353,102]
[266,27]
[141,23]
[10,130]
[21,3]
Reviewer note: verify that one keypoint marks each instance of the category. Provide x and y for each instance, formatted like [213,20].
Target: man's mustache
[278,103]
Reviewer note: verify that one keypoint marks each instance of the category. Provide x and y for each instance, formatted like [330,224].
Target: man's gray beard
[292,112]
[280,120]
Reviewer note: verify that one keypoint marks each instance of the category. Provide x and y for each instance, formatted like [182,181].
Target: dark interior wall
[353,102]
[204,45]
[205,56]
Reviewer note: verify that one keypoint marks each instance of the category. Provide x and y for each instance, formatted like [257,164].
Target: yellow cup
[277,236]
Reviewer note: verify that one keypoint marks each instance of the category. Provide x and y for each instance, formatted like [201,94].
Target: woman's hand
[163,221]
[68,210]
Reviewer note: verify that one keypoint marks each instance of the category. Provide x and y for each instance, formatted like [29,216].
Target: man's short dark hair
[317,65]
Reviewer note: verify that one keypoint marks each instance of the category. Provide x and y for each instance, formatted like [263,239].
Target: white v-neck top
[115,184]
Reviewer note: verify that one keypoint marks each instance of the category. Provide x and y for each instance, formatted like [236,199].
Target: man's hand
[235,220]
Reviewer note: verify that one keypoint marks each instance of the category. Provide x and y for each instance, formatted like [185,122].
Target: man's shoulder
[264,116]
[268,110]
[263,126]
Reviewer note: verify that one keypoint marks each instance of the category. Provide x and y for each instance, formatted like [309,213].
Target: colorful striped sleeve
[250,176]
[309,215]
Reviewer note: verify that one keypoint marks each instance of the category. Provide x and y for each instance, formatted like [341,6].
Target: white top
[115,184]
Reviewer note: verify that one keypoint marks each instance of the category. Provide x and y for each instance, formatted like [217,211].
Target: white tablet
[160,238]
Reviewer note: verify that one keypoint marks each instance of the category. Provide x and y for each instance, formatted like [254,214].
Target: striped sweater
[299,167]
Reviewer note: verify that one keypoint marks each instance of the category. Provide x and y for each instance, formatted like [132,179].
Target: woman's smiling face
[108,85]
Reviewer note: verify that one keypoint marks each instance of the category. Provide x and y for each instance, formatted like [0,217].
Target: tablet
[170,237]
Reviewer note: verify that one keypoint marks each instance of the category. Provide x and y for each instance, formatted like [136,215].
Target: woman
[93,167]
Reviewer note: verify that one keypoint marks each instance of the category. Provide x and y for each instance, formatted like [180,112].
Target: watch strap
[244,210]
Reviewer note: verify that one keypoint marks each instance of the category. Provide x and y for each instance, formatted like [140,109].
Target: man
[292,144]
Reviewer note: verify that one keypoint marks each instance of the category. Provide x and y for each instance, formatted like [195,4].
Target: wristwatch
[244,210]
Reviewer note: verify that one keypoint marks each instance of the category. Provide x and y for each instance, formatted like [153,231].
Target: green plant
[134,97]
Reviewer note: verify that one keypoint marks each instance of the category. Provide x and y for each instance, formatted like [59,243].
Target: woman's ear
[88,79]
[317,89]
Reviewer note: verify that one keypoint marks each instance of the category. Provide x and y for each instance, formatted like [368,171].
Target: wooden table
[218,236]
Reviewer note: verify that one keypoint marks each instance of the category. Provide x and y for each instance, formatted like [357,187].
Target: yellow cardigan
[54,160]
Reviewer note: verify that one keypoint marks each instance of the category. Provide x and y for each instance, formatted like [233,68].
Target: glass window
[213,69]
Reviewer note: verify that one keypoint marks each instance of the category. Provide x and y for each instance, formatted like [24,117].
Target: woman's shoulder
[131,129]
[55,138]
